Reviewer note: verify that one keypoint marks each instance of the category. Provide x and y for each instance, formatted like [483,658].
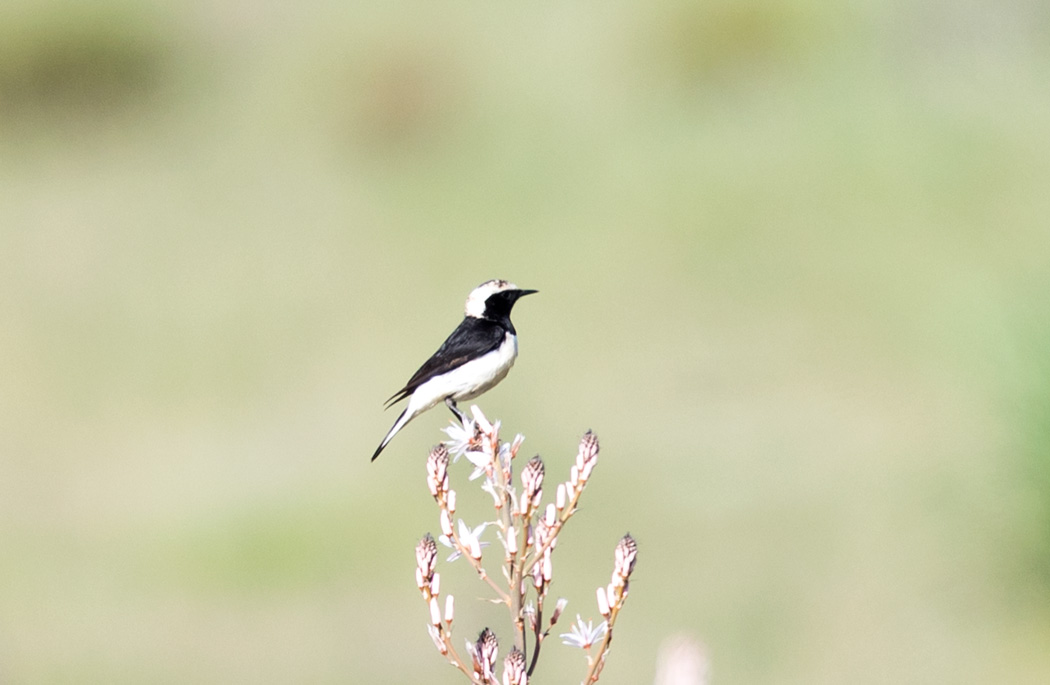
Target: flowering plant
[528,534]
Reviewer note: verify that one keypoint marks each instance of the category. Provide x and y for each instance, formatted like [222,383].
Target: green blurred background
[794,264]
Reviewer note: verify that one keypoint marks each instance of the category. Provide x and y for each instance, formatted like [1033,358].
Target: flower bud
[588,453]
[532,481]
[558,609]
[437,470]
[514,671]
[450,608]
[426,559]
[603,602]
[626,553]
[485,652]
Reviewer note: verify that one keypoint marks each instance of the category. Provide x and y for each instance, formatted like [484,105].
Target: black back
[472,338]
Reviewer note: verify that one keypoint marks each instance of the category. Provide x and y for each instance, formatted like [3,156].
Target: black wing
[471,339]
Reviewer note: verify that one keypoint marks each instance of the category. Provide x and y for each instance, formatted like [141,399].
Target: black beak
[523,293]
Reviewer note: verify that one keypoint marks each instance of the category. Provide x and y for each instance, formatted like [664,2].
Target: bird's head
[494,299]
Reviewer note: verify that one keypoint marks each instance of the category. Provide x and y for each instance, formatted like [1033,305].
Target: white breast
[467,381]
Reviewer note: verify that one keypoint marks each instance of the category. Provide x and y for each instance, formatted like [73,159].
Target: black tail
[398,425]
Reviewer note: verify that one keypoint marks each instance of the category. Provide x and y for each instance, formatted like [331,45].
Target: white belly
[467,381]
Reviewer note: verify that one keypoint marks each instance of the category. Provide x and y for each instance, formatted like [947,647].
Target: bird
[473,359]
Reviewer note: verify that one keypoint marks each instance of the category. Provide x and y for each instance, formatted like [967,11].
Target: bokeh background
[794,263]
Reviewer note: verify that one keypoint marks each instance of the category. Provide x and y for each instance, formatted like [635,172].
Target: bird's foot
[451,404]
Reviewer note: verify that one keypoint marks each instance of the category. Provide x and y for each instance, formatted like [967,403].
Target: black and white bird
[476,357]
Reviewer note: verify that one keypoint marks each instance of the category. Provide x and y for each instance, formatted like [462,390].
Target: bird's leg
[451,404]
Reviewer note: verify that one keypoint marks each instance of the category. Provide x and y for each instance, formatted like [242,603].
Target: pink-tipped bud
[574,476]
[548,567]
[426,559]
[451,501]
[437,470]
[558,609]
[446,523]
[551,516]
[514,670]
[450,609]
[588,453]
[559,498]
[474,547]
[532,481]
[626,554]
[435,585]
[485,651]
[512,541]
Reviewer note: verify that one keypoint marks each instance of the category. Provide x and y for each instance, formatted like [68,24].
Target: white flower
[481,461]
[480,419]
[583,635]
[467,537]
[459,437]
